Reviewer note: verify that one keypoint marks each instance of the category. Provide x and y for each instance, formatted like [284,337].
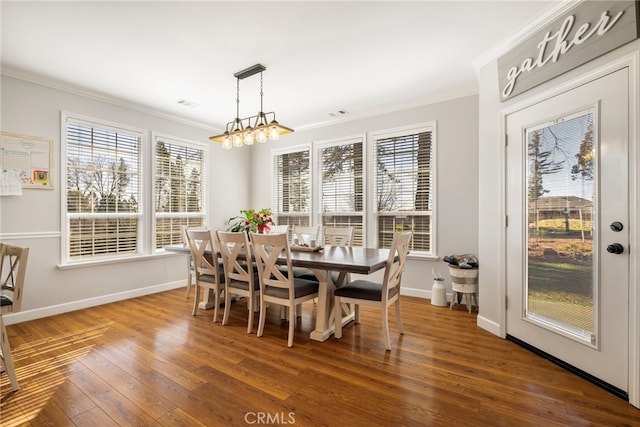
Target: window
[179,188]
[103,190]
[341,185]
[292,190]
[114,209]
[403,195]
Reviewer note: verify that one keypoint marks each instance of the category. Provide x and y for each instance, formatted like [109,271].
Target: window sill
[95,263]
[423,257]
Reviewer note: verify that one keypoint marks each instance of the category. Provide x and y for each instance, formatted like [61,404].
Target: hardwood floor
[147,361]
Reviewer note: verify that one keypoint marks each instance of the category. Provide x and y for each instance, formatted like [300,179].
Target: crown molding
[528,30]
[49,82]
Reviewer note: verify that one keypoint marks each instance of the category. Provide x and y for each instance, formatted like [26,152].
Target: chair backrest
[279,229]
[338,236]
[305,233]
[183,232]
[396,261]
[236,256]
[13,267]
[267,248]
[201,241]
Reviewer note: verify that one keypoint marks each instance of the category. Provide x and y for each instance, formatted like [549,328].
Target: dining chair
[13,267]
[191,271]
[381,295]
[209,273]
[338,236]
[275,286]
[279,229]
[240,277]
[306,234]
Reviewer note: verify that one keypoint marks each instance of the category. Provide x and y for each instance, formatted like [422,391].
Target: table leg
[209,300]
[324,313]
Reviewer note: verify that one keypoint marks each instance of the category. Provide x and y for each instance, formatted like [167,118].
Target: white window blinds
[179,189]
[404,187]
[103,190]
[292,187]
[341,175]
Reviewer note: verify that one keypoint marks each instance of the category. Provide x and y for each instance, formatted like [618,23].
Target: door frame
[632,62]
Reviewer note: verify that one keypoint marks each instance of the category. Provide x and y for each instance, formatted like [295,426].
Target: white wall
[34,219]
[456,200]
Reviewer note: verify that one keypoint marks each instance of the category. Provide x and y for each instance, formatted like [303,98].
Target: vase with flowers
[251,221]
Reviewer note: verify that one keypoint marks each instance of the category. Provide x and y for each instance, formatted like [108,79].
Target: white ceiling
[321,57]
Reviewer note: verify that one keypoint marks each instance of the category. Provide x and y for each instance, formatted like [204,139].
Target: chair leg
[263,315]
[292,324]
[356,315]
[337,316]
[7,359]
[227,307]
[188,276]
[196,301]
[399,317]
[385,327]
[250,308]
[216,301]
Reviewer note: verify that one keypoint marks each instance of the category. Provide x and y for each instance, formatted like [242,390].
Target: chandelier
[247,130]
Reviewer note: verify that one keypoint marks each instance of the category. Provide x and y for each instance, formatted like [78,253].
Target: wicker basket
[464,280]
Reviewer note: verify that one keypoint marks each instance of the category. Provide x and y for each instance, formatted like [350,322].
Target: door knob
[615,248]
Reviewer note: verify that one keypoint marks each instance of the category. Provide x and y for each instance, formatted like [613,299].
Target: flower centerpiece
[251,220]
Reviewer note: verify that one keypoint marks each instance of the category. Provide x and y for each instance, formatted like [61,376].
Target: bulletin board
[28,157]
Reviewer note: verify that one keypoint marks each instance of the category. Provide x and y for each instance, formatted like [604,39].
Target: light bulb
[261,136]
[227,143]
[248,137]
[273,134]
[237,140]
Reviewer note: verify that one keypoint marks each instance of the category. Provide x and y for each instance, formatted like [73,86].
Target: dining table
[322,262]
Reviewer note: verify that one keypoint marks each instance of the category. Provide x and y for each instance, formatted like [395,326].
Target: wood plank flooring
[148,362]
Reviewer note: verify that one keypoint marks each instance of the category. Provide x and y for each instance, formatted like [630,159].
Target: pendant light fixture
[247,130]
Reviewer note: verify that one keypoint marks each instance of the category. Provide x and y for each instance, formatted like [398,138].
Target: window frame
[372,190]
[319,172]
[141,232]
[204,182]
[145,215]
[275,153]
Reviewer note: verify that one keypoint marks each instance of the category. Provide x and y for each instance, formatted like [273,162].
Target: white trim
[490,326]
[634,234]
[371,233]
[65,118]
[537,22]
[38,313]
[293,149]
[632,62]
[316,185]
[114,260]
[151,195]
[34,235]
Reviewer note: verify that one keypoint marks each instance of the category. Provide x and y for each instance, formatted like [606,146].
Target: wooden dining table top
[333,258]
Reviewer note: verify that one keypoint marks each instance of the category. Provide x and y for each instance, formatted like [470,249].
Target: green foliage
[251,221]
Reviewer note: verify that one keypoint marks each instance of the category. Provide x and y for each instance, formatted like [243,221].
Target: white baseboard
[38,313]
[489,325]
[413,292]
